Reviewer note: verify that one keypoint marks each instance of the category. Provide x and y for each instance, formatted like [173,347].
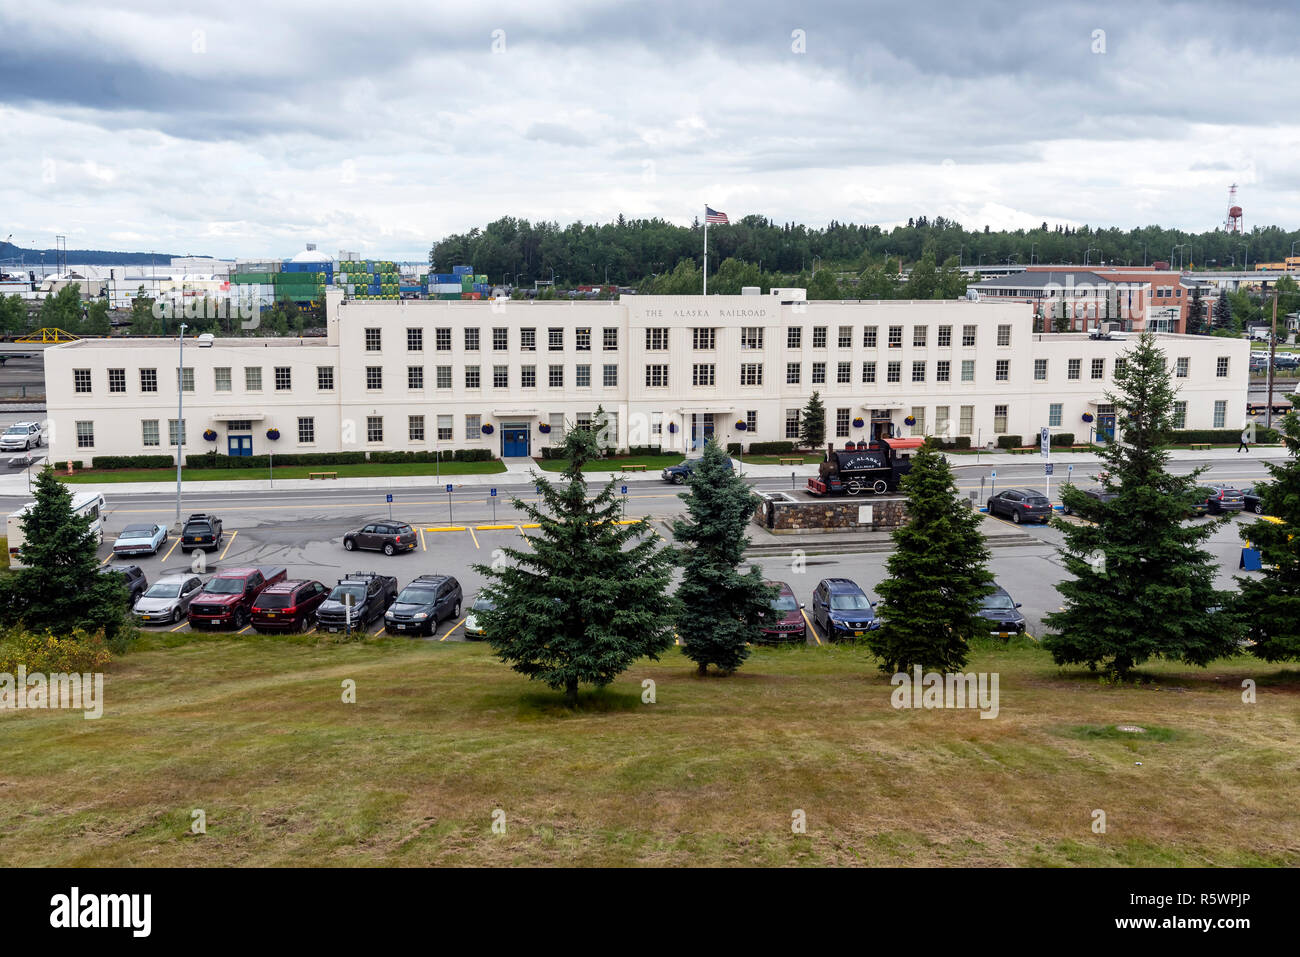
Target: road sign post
[993,487]
[625,501]
[493,496]
[1047,480]
[450,520]
[1045,442]
[390,506]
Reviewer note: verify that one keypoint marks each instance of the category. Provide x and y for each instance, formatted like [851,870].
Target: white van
[89,504]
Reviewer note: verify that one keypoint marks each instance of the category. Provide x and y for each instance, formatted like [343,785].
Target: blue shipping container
[463,270]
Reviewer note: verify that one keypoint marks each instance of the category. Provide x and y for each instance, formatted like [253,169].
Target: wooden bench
[792,460]
[322,475]
[633,468]
[1199,445]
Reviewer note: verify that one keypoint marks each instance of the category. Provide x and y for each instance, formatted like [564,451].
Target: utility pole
[1272,354]
[180,419]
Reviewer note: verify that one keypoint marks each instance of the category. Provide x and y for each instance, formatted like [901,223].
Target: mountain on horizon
[82,257]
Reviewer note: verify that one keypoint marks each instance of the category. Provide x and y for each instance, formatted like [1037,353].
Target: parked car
[287,605]
[140,540]
[368,593]
[1285,360]
[678,474]
[1250,499]
[167,600]
[386,537]
[21,436]
[790,624]
[1098,494]
[841,609]
[1021,505]
[1002,612]
[472,624]
[423,604]
[133,575]
[227,598]
[202,531]
[1218,499]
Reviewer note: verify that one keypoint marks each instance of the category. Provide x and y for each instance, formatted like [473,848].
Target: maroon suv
[790,624]
[287,605]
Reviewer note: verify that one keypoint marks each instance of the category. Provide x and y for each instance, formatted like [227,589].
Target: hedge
[132,462]
[733,448]
[771,448]
[1221,436]
[960,442]
[1063,438]
[211,460]
[1010,441]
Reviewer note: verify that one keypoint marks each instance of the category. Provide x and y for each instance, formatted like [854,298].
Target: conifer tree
[1142,587]
[590,596]
[937,575]
[812,423]
[721,609]
[1269,606]
[59,586]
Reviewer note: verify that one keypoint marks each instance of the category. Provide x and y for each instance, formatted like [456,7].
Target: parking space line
[423,546]
[173,548]
[312,632]
[244,629]
[811,627]
[453,628]
[228,544]
[107,558]
[376,632]
[475,537]
[180,626]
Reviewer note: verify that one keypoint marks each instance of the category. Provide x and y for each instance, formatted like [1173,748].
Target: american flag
[713,216]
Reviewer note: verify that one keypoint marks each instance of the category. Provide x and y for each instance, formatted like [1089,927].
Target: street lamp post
[1088,252]
[1032,258]
[180,417]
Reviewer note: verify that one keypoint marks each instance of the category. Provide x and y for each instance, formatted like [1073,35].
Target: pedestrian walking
[1244,442]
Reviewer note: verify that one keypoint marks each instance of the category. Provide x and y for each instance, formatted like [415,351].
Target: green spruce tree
[590,596]
[1269,606]
[937,575]
[721,608]
[59,586]
[812,423]
[1142,586]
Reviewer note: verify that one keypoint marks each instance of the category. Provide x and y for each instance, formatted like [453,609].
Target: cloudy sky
[249,129]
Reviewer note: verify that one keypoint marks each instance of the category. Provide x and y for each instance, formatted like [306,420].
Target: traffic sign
[1047,469]
[390,497]
[1045,441]
[994,473]
[624,489]
[494,493]
[449,487]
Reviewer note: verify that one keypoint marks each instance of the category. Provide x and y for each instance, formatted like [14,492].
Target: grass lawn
[363,470]
[616,462]
[254,733]
[808,459]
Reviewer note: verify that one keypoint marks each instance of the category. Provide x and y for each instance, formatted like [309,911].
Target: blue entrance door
[514,441]
[240,444]
[701,429]
[1106,428]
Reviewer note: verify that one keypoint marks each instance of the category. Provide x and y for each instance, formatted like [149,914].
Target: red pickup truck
[227,598]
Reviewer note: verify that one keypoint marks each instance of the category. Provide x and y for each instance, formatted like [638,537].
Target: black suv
[1021,505]
[1217,499]
[1098,494]
[386,537]
[201,531]
[423,604]
[135,579]
[369,594]
[678,474]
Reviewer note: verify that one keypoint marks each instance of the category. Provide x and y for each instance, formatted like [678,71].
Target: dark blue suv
[842,610]
[678,474]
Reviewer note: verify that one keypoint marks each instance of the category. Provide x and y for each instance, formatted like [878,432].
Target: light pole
[1032,258]
[180,417]
[1088,252]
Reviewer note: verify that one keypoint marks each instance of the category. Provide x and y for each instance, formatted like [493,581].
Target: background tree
[1196,313]
[63,309]
[721,609]
[1269,605]
[812,423]
[13,315]
[60,587]
[97,321]
[937,574]
[143,321]
[589,597]
[1222,311]
[1141,586]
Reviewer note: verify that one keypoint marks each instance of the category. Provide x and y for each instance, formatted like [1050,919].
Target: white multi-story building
[669,370]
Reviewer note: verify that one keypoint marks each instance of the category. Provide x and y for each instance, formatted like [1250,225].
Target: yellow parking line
[228,544]
[812,628]
[180,626]
[446,528]
[107,558]
[423,546]
[378,630]
[173,548]
[475,537]
[312,632]
[531,525]
[453,628]
[521,531]
[244,629]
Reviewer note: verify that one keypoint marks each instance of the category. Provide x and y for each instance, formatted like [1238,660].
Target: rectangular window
[1002,370]
[751,373]
[945,337]
[942,420]
[894,372]
[472,380]
[844,373]
[794,337]
[117,380]
[414,340]
[656,340]
[1073,368]
[442,377]
[374,377]
[148,380]
[845,340]
[966,424]
[415,377]
[85,435]
[702,375]
[253,379]
[442,340]
[1054,415]
[582,376]
[792,423]
[918,413]
[751,421]
[1180,415]
[473,427]
[869,337]
[1040,370]
[582,339]
[1000,419]
[919,335]
[943,370]
[555,339]
[415,427]
[895,337]
[176,432]
[528,340]
[185,377]
[704,338]
[1221,367]
[1220,413]
[374,428]
[374,340]
[611,339]
[1120,366]
[80,380]
[528,377]
[500,377]
[325,378]
[751,337]
[471,340]
[555,377]
[611,376]
[868,373]
[500,339]
[793,372]
[819,337]
[1004,335]
[918,371]
[149,435]
[306,430]
[444,428]
[1099,368]
[1181,366]
[842,423]
[818,373]
[221,379]
[967,336]
[283,378]
[239,425]
[967,370]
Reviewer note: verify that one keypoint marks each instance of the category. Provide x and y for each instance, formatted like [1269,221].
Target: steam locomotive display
[872,469]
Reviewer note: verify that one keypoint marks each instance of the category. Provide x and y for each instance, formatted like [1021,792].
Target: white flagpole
[706,249]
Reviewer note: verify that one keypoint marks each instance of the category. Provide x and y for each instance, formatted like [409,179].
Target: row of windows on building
[656,375]
[657,339]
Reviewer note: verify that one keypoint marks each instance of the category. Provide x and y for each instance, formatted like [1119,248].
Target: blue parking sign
[624,489]
[494,492]
[448,487]
[390,496]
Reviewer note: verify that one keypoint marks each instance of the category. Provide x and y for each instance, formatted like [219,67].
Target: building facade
[1136,299]
[670,371]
